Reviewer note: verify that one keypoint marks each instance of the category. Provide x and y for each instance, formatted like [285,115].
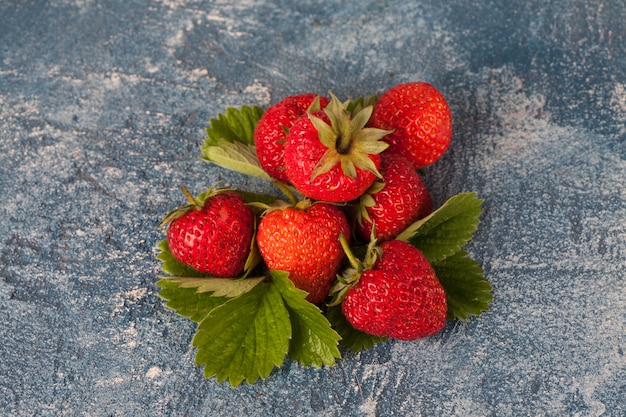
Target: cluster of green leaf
[249,325]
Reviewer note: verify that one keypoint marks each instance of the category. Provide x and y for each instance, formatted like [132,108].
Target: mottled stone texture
[102,109]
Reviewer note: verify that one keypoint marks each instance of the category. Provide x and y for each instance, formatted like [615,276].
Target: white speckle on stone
[109,382]
[176,40]
[368,408]
[151,68]
[154,372]
[127,298]
[260,93]
[198,74]
[173,4]
[618,104]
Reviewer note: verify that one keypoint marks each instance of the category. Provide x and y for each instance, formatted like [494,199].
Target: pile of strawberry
[353,252]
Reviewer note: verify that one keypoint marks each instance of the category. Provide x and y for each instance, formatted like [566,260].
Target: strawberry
[393,203]
[331,156]
[273,126]
[213,235]
[399,296]
[303,240]
[420,119]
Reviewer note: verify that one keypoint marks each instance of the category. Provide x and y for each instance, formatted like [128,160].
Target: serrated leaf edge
[421,227]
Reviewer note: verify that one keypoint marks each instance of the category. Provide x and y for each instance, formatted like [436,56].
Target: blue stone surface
[103,106]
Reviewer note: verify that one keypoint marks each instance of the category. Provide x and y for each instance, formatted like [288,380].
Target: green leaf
[246,337]
[219,287]
[237,125]
[230,141]
[313,341]
[467,291]
[235,156]
[186,301]
[173,266]
[351,338]
[445,231]
[250,197]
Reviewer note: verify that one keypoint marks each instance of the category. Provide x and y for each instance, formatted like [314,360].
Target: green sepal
[356,105]
[467,291]
[193,203]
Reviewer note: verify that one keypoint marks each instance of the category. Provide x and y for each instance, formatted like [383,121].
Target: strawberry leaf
[250,197]
[467,291]
[172,265]
[235,156]
[230,141]
[237,125]
[351,338]
[186,301]
[219,287]
[246,337]
[313,341]
[446,230]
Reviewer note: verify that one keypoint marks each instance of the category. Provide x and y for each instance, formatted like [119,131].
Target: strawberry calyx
[348,141]
[279,204]
[358,104]
[316,105]
[194,203]
[367,201]
[352,274]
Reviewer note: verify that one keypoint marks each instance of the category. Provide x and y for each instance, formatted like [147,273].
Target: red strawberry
[213,236]
[332,157]
[394,202]
[400,297]
[304,241]
[272,129]
[420,119]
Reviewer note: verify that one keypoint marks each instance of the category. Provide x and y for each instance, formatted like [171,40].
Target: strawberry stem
[346,248]
[285,190]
